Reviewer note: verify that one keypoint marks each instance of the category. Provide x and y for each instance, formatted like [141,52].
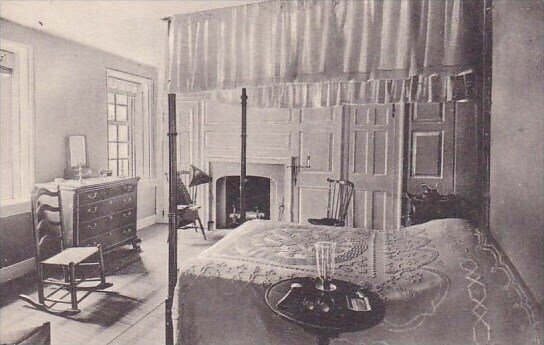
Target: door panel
[427,153]
[431,135]
[380,204]
[372,165]
[318,134]
[359,215]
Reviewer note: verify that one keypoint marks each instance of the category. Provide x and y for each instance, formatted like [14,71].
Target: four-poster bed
[311,54]
[443,282]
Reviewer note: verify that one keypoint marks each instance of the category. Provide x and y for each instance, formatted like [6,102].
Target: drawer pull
[92,196]
[127,231]
[92,209]
[91,226]
[127,200]
[128,188]
[127,214]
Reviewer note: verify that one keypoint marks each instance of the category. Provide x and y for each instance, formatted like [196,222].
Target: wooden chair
[340,194]
[50,253]
[187,214]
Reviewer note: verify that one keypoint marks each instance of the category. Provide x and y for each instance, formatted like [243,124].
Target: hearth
[257,199]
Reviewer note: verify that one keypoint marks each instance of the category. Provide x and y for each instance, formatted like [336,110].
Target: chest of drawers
[100,211]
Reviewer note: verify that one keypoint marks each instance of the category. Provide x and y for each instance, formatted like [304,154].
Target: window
[130,126]
[119,107]
[16,126]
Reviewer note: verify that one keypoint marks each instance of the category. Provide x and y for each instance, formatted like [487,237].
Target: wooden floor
[132,314]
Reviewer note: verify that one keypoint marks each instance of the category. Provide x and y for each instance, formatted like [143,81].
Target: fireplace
[257,199]
[267,191]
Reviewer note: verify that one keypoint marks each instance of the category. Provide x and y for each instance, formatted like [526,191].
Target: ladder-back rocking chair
[50,252]
[340,194]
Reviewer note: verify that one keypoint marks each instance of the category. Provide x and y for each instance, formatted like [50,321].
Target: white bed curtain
[315,52]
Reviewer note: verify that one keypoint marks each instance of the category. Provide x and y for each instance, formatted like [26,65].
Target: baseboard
[16,270]
[145,222]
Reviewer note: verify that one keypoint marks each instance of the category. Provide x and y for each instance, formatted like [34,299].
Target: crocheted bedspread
[443,283]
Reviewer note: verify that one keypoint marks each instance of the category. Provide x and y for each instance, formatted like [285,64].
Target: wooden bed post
[243,157]
[172,233]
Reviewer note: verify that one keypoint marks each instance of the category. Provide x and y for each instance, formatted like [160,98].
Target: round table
[326,314]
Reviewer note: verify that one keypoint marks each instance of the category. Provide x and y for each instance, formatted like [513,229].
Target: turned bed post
[243,157]
[172,233]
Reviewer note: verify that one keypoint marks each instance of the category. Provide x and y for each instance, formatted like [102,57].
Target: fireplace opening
[257,203]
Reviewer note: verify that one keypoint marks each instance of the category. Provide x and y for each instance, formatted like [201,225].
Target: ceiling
[130,28]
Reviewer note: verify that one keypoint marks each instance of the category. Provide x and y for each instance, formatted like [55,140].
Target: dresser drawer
[104,224]
[106,207]
[96,195]
[111,238]
[123,188]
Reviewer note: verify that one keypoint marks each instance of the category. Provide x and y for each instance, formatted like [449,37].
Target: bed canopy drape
[307,53]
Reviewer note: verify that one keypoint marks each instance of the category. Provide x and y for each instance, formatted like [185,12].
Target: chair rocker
[50,253]
[340,194]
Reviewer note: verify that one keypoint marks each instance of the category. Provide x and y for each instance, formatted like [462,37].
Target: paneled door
[317,132]
[372,166]
[431,146]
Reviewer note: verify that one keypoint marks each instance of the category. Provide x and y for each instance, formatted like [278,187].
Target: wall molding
[17,270]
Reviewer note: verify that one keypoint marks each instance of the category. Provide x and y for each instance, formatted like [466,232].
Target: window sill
[14,207]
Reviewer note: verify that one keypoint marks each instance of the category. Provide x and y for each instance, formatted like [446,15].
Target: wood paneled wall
[363,144]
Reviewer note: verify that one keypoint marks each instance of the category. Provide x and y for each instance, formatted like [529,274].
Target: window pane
[111,112]
[123,150]
[121,99]
[123,133]
[113,167]
[112,150]
[123,167]
[112,133]
[121,112]
[111,98]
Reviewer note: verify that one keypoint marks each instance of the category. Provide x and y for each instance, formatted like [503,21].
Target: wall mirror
[77,151]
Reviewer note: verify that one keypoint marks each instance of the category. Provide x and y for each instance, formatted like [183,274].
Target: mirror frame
[72,147]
